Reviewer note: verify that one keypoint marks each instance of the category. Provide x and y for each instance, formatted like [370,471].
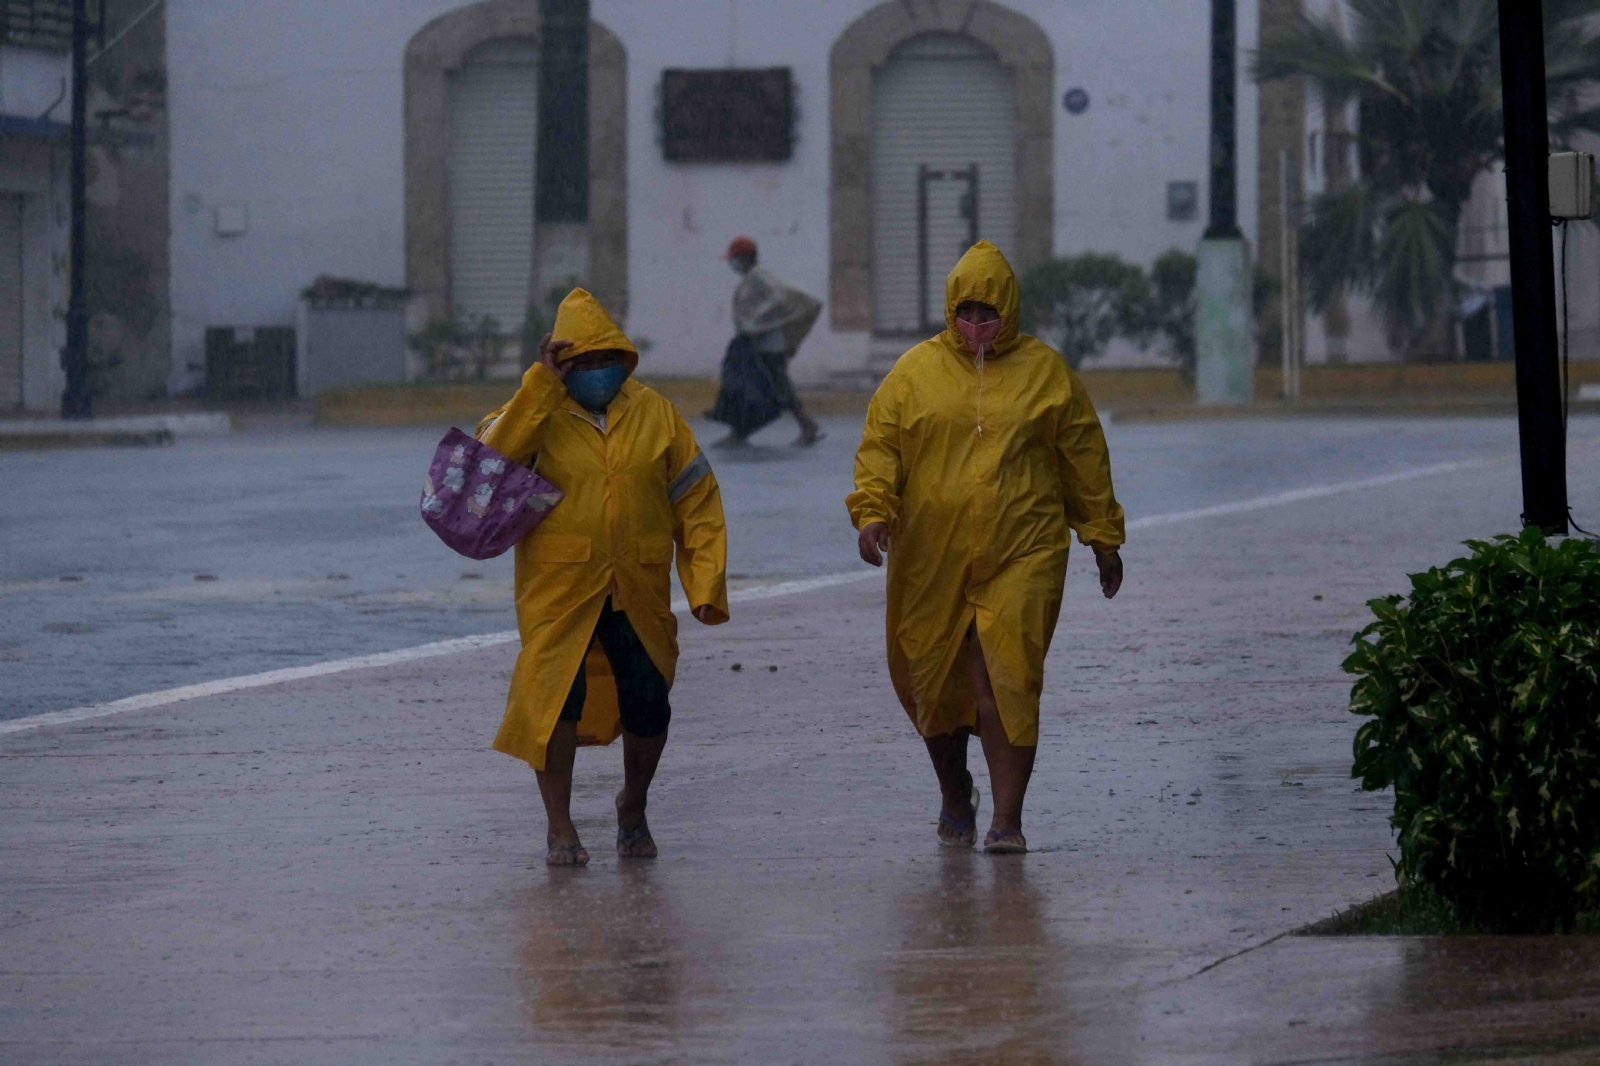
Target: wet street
[125,571]
[338,870]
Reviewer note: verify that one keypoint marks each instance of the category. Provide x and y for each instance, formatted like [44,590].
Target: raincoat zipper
[980,360]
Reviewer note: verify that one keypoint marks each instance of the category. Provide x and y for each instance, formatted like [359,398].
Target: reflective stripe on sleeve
[699,467]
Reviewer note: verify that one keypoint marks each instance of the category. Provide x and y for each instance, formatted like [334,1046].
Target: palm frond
[1414,264]
[1338,244]
[1314,48]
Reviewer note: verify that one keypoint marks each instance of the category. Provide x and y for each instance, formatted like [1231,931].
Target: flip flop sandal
[1005,844]
[575,854]
[626,838]
[965,832]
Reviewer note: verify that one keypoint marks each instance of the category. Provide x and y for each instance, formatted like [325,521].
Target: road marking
[1315,492]
[746,595]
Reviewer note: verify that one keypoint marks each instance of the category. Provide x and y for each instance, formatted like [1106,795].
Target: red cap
[740,246]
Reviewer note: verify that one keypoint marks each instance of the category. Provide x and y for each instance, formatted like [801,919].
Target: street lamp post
[1533,288]
[76,400]
[1224,351]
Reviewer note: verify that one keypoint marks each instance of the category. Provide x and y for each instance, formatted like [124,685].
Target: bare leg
[555,788]
[1010,766]
[949,755]
[810,432]
[640,757]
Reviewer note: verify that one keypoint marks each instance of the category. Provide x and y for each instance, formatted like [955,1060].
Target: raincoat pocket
[655,550]
[568,548]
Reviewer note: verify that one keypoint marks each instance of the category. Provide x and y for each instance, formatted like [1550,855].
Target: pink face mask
[980,335]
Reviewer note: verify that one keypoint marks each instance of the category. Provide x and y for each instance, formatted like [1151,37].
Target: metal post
[563,154]
[1224,348]
[1533,288]
[1224,216]
[76,400]
[1286,290]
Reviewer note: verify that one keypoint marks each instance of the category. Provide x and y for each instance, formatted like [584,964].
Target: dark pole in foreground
[1224,214]
[1533,286]
[75,401]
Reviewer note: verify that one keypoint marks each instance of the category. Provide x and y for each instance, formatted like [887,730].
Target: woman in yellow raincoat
[593,588]
[981,454]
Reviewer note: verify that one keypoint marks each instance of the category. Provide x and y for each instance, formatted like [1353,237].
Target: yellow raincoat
[636,483]
[980,469]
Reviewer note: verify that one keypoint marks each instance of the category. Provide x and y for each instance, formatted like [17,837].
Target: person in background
[593,588]
[770,321]
[981,454]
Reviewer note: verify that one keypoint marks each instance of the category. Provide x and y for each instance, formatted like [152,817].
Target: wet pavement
[338,870]
[225,556]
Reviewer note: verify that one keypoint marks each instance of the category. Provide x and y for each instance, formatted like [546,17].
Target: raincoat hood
[581,320]
[983,274]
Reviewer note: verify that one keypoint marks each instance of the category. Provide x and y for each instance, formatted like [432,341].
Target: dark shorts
[641,690]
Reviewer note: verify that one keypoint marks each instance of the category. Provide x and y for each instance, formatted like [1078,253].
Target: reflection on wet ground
[603,963]
[978,977]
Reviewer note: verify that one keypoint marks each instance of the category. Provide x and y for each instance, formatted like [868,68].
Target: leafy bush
[1079,303]
[451,348]
[1483,689]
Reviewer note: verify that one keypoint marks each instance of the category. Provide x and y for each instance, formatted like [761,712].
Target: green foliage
[1426,77]
[1483,694]
[1079,303]
[1172,306]
[1417,910]
[451,348]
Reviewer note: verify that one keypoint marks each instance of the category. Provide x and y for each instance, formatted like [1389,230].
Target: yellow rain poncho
[636,484]
[980,469]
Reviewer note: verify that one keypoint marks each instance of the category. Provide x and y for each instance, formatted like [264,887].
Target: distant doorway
[943,172]
[963,89]
[471,140]
[947,225]
[494,131]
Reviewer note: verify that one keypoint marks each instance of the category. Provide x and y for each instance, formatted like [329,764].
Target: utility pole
[1225,353]
[76,400]
[561,205]
[1533,285]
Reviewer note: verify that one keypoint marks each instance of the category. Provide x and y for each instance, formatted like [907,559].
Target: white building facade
[34,84]
[396,143]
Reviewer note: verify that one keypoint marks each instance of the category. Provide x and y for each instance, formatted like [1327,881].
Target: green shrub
[1079,303]
[1483,690]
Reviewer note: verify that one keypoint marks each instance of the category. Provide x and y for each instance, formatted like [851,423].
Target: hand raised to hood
[550,352]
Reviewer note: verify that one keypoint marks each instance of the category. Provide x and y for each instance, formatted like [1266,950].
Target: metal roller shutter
[10,301]
[494,128]
[942,103]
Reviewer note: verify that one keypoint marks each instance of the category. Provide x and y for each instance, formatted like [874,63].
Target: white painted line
[1315,492]
[270,677]
[366,662]
[747,595]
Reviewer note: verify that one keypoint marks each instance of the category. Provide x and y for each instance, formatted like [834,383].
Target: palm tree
[1426,77]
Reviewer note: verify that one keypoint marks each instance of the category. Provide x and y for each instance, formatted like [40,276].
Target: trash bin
[251,364]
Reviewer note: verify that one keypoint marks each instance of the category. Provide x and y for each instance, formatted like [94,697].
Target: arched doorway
[494,128]
[471,83]
[943,172]
[911,58]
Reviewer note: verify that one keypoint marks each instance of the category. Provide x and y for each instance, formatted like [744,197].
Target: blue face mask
[595,389]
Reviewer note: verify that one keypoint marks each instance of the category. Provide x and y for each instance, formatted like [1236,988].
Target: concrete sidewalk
[339,870]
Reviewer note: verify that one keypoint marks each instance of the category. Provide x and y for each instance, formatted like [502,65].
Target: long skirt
[755,388]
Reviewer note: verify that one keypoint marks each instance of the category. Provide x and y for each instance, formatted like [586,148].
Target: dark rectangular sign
[727,116]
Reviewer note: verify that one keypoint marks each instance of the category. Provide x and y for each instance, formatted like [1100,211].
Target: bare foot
[633,832]
[1005,842]
[958,818]
[566,853]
